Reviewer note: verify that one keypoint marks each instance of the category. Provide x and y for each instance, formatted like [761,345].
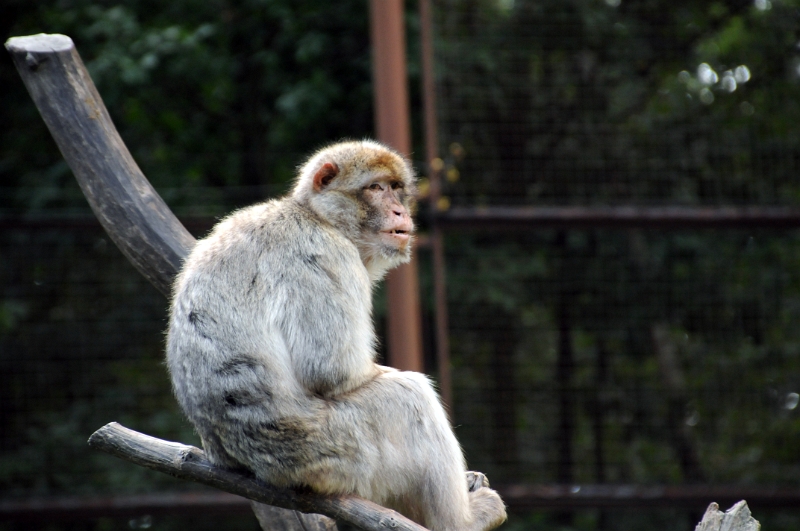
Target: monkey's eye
[397,185]
[375,186]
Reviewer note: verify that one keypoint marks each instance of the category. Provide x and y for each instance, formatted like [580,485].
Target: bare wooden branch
[190,463]
[737,518]
[133,214]
[279,519]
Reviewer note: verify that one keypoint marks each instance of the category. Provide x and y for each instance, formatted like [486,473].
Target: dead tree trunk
[130,210]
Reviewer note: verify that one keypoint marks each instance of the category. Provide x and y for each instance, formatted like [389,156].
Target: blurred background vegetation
[579,356]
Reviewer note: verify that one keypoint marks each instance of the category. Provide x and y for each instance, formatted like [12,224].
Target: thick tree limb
[131,211]
[190,463]
[278,519]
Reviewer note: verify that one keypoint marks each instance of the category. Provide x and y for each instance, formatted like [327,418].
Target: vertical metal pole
[435,176]
[442,321]
[429,95]
[404,322]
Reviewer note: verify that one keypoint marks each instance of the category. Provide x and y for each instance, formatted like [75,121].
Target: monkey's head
[365,190]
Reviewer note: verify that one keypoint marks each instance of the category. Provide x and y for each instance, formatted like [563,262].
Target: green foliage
[592,102]
[206,94]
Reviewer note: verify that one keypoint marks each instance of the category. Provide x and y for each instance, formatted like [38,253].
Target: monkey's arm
[187,462]
[327,325]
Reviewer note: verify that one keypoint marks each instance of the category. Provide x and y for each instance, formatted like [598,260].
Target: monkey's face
[388,223]
[366,191]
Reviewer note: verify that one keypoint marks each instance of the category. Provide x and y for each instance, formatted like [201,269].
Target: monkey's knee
[413,385]
[488,509]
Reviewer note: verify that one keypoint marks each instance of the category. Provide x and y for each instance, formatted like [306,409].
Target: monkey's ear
[325,175]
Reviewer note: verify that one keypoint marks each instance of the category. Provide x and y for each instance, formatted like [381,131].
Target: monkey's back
[261,324]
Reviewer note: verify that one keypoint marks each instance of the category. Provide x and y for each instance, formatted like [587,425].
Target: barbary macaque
[271,347]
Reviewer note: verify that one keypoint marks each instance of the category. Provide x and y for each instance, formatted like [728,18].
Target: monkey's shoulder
[278,223]
[279,238]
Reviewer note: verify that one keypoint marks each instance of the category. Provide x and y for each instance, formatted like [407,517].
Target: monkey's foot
[488,510]
[476,480]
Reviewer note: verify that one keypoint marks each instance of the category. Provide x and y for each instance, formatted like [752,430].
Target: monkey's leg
[389,441]
[408,457]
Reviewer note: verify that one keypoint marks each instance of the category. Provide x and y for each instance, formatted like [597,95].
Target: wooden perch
[156,243]
[130,210]
[190,463]
[737,518]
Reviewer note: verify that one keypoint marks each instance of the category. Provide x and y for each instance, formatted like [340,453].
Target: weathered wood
[133,214]
[278,519]
[190,463]
[737,518]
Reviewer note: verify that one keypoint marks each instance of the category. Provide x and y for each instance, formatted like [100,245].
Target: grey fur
[271,348]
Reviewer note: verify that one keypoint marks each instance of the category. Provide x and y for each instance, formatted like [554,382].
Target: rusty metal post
[435,177]
[392,124]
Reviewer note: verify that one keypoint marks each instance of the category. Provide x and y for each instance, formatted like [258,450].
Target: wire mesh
[622,356]
[82,345]
[627,357]
[586,103]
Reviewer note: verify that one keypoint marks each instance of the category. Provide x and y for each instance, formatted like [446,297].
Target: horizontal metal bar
[86,507]
[196,225]
[508,218]
[520,497]
[625,217]
[78,222]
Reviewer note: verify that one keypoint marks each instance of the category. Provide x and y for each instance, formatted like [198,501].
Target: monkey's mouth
[400,236]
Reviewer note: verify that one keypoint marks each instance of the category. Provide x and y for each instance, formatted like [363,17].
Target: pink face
[387,195]
[384,215]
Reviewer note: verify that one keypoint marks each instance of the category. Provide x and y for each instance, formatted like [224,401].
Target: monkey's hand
[476,480]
